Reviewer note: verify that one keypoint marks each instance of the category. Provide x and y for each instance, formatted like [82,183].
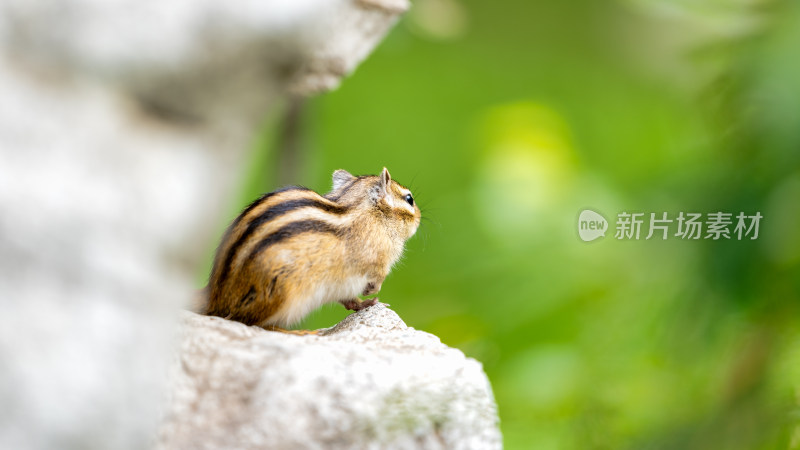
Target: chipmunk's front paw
[371,288]
[355,304]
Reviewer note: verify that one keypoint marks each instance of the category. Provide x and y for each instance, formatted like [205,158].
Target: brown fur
[294,249]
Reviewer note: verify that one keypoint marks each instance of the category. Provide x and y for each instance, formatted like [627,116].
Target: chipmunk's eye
[410,199]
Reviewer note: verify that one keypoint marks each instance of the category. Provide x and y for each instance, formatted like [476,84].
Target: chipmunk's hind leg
[248,298]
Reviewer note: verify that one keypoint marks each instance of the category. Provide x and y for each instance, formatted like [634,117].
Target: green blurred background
[507,118]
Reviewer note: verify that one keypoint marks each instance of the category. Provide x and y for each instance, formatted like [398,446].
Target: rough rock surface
[369,382]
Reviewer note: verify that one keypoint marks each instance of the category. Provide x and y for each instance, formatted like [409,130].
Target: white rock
[368,382]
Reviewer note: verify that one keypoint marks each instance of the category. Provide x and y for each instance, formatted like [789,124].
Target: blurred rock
[368,382]
[123,127]
[200,60]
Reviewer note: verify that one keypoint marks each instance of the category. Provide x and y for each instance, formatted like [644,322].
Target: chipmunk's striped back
[293,249]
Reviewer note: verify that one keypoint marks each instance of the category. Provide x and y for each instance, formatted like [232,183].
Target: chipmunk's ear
[386,181]
[381,188]
[341,178]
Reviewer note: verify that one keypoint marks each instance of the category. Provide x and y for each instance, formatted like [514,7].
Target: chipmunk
[292,250]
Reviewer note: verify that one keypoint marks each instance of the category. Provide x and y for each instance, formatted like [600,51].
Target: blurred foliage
[506,119]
